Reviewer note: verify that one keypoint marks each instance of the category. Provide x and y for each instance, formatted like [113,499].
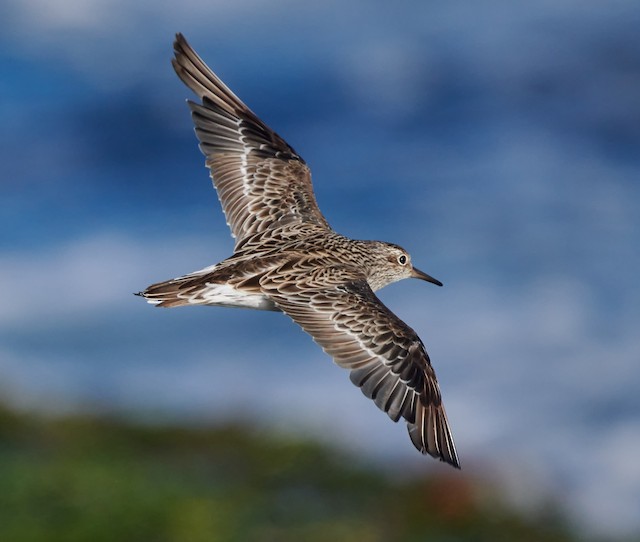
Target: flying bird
[287,258]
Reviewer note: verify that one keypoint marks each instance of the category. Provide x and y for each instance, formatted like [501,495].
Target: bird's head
[393,263]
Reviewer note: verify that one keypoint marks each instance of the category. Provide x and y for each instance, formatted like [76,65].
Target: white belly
[224,295]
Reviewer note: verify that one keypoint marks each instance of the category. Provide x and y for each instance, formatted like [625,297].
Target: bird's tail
[173,293]
[207,287]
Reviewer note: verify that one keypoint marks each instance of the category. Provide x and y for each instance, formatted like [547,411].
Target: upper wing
[261,182]
[386,358]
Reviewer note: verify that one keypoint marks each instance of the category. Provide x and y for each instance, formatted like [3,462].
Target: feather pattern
[287,258]
[262,183]
[386,358]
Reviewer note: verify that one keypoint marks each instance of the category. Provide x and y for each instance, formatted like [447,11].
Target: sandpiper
[287,258]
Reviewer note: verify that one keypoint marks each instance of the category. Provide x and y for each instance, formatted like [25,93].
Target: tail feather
[205,289]
[173,293]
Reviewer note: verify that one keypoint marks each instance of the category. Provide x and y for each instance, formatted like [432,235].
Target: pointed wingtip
[180,46]
[455,462]
[431,435]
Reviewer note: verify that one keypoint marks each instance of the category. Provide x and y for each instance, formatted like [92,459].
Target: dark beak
[417,274]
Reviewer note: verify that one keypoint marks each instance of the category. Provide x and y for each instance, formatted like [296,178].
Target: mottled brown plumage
[287,258]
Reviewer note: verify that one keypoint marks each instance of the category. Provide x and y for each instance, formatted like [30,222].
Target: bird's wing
[261,182]
[386,357]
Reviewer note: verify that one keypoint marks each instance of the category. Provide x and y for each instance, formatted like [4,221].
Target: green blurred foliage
[100,479]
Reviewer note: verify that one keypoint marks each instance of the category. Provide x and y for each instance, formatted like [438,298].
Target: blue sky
[498,142]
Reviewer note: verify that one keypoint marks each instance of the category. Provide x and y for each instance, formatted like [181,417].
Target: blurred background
[499,142]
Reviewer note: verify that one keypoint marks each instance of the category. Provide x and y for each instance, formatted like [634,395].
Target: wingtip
[180,46]
[179,39]
[430,434]
[453,461]
[440,453]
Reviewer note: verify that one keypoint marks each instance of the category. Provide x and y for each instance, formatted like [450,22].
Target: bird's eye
[402,259]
